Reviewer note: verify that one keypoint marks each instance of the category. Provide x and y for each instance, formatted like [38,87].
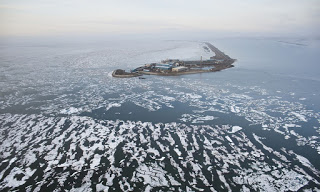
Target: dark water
[66,124]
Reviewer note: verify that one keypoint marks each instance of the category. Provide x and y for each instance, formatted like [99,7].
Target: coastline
[122,74]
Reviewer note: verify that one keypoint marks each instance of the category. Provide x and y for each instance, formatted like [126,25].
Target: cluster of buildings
[175,66]
[172,65]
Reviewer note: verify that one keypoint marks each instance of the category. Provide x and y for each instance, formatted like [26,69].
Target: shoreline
[116,74]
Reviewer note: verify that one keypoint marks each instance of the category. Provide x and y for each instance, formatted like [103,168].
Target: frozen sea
[67,125]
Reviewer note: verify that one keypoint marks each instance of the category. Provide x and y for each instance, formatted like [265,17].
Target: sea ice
[299,116]
[235,129]
[152,175]
[70,111]
[110,105]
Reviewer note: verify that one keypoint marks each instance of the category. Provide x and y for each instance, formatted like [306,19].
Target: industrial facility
[178,67]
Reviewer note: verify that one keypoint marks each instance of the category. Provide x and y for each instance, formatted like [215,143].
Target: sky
[96,17]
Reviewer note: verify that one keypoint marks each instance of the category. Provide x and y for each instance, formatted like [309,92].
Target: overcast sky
[53,17]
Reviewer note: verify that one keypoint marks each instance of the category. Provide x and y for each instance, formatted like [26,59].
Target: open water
[67,125]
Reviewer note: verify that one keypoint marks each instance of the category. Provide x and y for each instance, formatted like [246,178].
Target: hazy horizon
[168,19]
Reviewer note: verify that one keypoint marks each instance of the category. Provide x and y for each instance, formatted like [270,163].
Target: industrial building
[163,66]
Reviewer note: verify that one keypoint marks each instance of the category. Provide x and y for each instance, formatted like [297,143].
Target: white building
[179,69]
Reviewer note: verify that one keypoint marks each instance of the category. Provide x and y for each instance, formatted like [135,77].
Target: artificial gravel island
[170,67]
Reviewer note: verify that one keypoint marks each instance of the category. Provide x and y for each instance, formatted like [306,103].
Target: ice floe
[235,129]
[71,110]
